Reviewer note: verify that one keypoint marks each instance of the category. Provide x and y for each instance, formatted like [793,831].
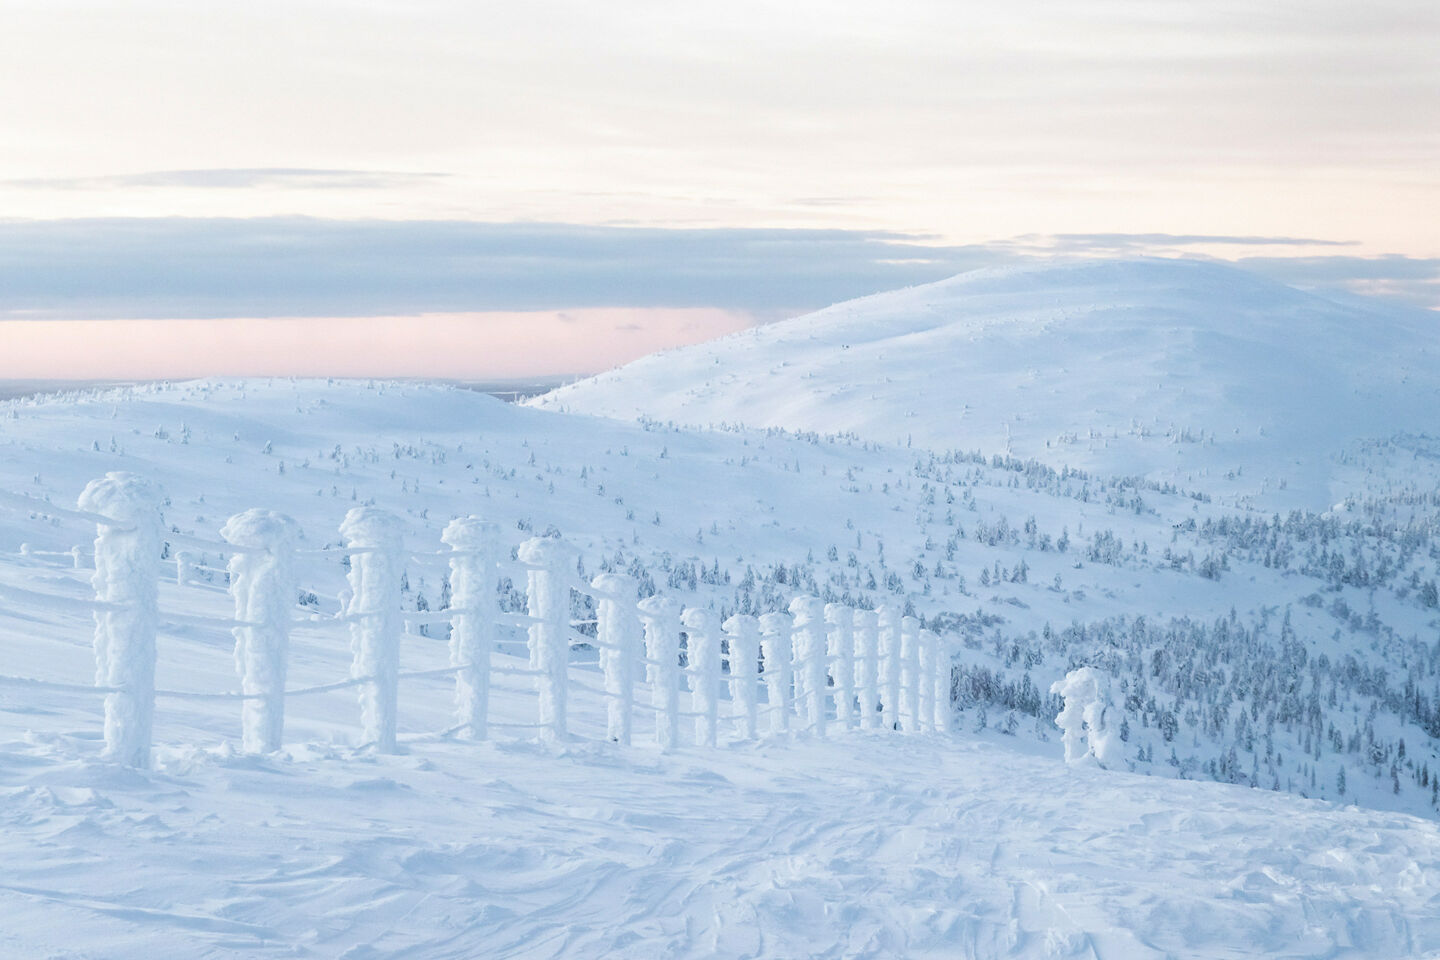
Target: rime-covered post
[775,641]
[618,632]
[662,649]
[890,666]
[127,571]
[743,633]
[377,565]
[1088,723]
[867,667]
[475,551]
[810,658]
[842,659]
[940,698]
[262,583]
[548,595]
[910,674]
[929,665]
[702,627]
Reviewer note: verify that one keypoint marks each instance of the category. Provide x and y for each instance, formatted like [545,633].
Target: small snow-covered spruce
[1089,722]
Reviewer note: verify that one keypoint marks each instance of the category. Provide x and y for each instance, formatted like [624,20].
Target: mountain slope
[1179,370]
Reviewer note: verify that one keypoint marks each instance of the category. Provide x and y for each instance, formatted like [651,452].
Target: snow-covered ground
[1181,370]
[1293,657]
[866,845]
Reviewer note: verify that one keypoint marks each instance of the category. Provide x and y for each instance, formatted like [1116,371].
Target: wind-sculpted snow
[1179,370]
[866,845]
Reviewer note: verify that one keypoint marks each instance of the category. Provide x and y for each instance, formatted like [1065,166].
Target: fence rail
[818,664]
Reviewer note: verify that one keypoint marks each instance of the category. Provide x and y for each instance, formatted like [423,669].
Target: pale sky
[1302,138]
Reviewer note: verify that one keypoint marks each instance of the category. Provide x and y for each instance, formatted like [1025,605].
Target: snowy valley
[1220,493]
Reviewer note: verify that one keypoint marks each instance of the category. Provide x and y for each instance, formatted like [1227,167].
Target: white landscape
[1216,492]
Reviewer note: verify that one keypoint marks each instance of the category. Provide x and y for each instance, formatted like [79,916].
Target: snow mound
[1180,370]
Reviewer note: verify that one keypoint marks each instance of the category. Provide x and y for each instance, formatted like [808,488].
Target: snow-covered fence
[662,665]
[475,549]
[549,604]
[376,542]
[618,633]
[820,661]
[127,568]
[742,633]
[262,582]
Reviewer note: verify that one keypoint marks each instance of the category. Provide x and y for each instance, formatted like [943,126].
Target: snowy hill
[1292,658]
[1179,370]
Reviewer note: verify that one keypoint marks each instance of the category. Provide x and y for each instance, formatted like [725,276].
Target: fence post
[943,668]
[775,641]
[743,633]
[618,632]
[841,619]
[475,550]
[377,566]
[910,674]
[662,649]
[262,584]
[127,571]
[548,596]
[929,665]
[703,630]
[867,667]
[810,658]
[889,666]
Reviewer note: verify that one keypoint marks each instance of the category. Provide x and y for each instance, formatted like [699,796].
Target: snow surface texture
[983,843]
[1181,370]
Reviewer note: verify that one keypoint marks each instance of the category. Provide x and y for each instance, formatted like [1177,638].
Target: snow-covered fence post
[910,674]
[549,563]
[929,667]
[618,633]
[127,571]
[662,649]
[703,630]
[867,667]
[475,551]
[841,619]
[940,698]
[810,658]
[1088,722]
[377,565]
[743,633]
[775,640]
[890,666]
[262,583]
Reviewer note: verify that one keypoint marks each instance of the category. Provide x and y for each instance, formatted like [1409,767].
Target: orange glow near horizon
[446,345]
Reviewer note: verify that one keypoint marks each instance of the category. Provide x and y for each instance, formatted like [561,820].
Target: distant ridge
[1176,369]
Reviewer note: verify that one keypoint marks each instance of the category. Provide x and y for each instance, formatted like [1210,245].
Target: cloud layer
[295,267]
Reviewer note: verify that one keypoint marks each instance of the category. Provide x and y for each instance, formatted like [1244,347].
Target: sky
[190,188]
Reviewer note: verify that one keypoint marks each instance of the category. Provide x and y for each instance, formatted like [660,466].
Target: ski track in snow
[868,845]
